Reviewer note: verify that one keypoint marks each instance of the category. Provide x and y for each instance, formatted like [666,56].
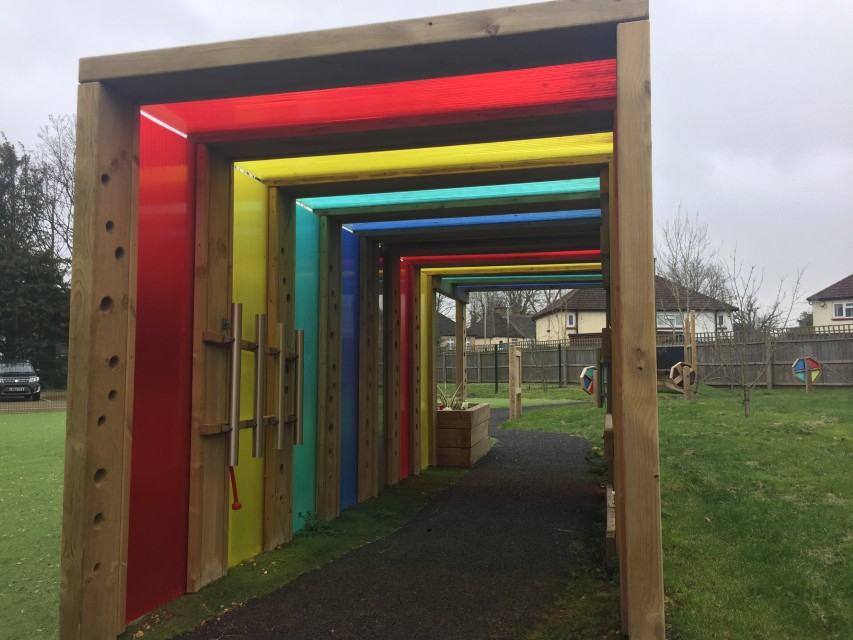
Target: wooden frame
[102,348]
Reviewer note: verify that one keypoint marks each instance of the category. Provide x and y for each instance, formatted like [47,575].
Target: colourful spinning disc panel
[541,91]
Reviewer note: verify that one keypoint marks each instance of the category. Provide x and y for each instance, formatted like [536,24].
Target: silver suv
[18,379]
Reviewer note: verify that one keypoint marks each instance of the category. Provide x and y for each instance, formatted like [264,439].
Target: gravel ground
[485,559]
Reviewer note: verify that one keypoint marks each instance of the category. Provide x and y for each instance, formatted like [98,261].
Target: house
[833,304]
[445,329]
[498,329]
[582,312]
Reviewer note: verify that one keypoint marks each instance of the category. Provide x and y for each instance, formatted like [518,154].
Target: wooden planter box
[462,436]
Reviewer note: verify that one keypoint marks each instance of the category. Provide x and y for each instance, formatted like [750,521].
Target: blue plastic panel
[508,218]
[349,368]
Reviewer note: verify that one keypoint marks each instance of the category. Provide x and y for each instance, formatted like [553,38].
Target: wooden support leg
[329,373]
[368,427]
[391,383]
[632,279]
[101,363]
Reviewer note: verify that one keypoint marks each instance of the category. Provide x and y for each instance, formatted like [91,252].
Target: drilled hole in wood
[110,225]
[100,475]
[102,420]
[119,253]
[96,567]
[98,520]
[114,362]
[106,303]
[112,394]
[281,468]
[105,179]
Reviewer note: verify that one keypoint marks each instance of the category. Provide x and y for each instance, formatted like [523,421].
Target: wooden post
[514,382]
[432,346]
[596,379]
[768,358]
[368,405]
[207,543]
[461,362]
[278,463]
[93,562]
[329,372]
[391,369]
[634,358]
[418,422]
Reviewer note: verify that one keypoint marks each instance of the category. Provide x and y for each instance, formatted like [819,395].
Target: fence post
[560,365]
[496,369]
[768,356]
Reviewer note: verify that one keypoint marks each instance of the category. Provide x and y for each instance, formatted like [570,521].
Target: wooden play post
[461,364]
[690,353]
[514,382]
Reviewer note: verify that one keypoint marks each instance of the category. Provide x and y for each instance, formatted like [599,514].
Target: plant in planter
[462,431]
[452,402]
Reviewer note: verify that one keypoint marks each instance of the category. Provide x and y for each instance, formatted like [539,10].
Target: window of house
[571,321]
[670,320]
[450,343]
[842,310]
[721,320]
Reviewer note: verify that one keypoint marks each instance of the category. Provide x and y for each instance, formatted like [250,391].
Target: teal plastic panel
[306,310]
[553,187]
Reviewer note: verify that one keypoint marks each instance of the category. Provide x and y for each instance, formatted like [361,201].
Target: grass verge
[31,456]
[757,514]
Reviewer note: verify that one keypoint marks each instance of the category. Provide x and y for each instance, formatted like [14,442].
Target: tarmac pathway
[485,559]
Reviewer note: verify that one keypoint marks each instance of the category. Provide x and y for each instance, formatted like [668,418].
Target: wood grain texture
[207,543]
[368,379]
[460,43]
[101,360]
[329,372]
[634,353]
[461,340]
[278,463]
[391,382]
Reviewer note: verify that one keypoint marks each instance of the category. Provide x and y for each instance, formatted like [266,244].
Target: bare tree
[56,153]
[688,260]
[746,351]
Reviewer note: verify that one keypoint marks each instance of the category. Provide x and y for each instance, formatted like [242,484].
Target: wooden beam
[281,294]
[463,43]
[207,542]
[368,378]
[634,354]
[329,373]
[93,562]
[391,368]
[461,358]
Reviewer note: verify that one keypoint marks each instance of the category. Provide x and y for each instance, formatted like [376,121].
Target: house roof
[667,295]
[446,326]
[841,289]
[496,327]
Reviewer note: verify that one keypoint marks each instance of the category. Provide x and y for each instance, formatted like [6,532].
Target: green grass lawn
[31,458]
[757,514]
[757,522]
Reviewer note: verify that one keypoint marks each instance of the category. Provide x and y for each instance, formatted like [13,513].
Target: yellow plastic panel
[513,269]
[245,529]
[593,148]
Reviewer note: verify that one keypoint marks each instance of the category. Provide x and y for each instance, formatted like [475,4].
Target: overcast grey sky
[752,100]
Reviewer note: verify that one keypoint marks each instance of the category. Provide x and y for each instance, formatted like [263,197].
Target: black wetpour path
[483,560]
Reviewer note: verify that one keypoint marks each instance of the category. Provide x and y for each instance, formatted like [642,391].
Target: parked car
[18,379]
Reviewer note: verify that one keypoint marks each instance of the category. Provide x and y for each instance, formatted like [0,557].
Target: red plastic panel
[406,285]
[553,90]
[159,485]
